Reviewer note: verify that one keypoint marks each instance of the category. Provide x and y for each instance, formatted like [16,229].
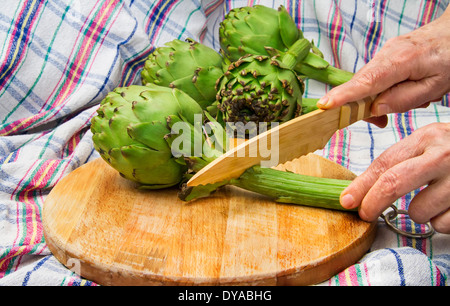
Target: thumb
[374,78]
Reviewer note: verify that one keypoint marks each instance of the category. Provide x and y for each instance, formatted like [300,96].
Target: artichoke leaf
[288,29]
[150,134]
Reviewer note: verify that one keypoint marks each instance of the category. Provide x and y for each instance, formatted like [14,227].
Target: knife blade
[285,142]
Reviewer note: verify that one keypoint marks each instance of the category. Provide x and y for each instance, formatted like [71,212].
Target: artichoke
[187,65]
[258,29]
[130,132]
[262,88]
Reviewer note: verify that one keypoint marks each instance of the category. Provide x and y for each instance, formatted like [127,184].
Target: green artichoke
[259,29]
[187,65]
[130,132]
[262,88]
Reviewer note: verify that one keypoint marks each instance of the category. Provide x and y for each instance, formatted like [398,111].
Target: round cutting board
[102,227]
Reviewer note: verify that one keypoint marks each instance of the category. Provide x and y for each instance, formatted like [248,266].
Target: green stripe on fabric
[401,18]
[345,143]
[185,24]
[359,275]
[436,112]
[414,115]
[25,183]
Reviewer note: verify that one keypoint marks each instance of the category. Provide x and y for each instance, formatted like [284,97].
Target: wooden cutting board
[103,228]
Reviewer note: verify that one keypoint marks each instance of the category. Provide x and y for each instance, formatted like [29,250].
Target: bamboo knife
[292,139]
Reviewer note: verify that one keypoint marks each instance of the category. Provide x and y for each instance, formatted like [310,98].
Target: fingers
[407,95]
[432,203]
[421,159]
[441,223]
[384,173]
[393,184]
[375,77]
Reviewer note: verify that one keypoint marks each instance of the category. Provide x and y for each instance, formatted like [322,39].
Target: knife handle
[355,111]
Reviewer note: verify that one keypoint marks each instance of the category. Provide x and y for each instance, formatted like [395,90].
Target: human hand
[422,158]
[409,71]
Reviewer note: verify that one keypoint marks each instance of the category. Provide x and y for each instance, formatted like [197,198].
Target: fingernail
[347,201]
[323,102]
[382,109]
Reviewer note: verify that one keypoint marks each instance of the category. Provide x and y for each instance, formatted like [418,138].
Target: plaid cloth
[59,58]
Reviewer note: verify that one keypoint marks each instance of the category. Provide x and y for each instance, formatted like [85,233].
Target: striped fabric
[59,58]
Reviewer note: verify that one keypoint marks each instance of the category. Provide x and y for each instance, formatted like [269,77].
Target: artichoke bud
[187,65]
[261,30]
[130,128]
[261,88]
[249,30]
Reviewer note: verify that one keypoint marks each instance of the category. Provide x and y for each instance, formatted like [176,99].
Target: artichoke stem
[296,53]
[316,68]
[293,188]
[282,186]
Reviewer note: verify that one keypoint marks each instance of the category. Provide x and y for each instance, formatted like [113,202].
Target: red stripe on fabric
[341,278]
[366,274]
[373,37]
[340,147]
[152,18]
[40,178]
[13,40]
[87,46]
[34,231]
[13,252]
[20,124]
[88,70]
[336,29]
[427,15]
[213,7]
[66,66]
[429,9]
[332,142]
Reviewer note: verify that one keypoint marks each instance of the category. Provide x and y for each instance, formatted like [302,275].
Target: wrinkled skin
[421,159]
[410,71]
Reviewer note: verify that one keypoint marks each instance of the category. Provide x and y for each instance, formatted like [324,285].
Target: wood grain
[115,234]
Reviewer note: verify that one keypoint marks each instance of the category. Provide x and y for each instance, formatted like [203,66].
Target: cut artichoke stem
[296,53]
[281,186]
